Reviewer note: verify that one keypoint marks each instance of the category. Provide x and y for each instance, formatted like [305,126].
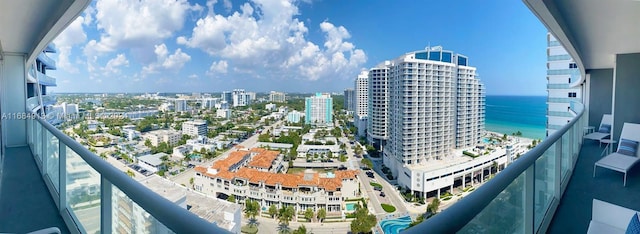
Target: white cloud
[137,23]
[72,35]
[114,64]
[274,40]
[165,61]
[218,67]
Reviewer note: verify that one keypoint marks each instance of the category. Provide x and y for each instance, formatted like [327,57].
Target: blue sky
[290,45]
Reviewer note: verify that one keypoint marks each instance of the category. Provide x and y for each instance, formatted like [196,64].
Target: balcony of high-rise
[552,188]
[49,181]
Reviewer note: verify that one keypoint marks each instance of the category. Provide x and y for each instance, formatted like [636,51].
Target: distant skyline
[293,46]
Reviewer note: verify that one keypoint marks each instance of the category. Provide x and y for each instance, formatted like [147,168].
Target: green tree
[273,211]
[103,155]
[130,173]
[191,180]
[308,214]
[367,162]
[322,213]
[285,215]
[363,221]
[300,230]
[231,198]
[432,208]
[147,143]
[251,210]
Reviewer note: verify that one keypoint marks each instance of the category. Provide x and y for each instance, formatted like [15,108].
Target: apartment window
[572,94]
[573,65]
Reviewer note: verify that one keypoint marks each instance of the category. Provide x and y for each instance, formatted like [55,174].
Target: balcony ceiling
[27,26]
[593,31]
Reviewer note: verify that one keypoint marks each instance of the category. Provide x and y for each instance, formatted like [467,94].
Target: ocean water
[509,114]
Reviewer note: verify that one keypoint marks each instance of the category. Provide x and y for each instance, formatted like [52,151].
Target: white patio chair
[603,131]
[627,154]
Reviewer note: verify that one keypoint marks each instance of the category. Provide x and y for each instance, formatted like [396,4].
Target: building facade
[294,116]
[319,109]
[435,105]
[349,99]
[361,103]
[561,72]
[180,105]
[277,97]
[252,175]
[194,128]
[241,98]
[378,104]
[159,136]
[227,96]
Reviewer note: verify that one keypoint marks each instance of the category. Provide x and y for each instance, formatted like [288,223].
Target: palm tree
[251,211]
[322,213]
[130,173]
[308,214]
[103,155]
[285,215]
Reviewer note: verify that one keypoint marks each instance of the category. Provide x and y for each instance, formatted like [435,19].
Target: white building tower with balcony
[561,72]
[435,105]
[361,102]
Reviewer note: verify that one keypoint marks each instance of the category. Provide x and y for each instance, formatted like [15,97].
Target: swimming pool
[394,226]
[351,206]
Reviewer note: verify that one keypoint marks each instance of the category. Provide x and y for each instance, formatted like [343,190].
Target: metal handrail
[462,212]
[169,214]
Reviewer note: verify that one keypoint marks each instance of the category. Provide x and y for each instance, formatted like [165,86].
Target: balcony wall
[600,94]
[626,93]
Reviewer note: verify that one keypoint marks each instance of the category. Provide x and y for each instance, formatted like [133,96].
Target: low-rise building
[169,136]
[294,116]
[224,214]
[270,107]
[223,113]
[152,162]
[244,174]
[194,128]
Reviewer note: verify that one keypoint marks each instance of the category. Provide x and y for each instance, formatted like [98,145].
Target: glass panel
[544,187]
[129,217]
[505,214]
[83,192]
[53,159]
[567,152]
[38,140]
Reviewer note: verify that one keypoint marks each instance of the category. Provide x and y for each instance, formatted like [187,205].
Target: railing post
[62,182]
[106,208]
[529,197]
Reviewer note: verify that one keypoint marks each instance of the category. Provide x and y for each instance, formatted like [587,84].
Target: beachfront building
[277,96]
[253,174]
[561,72]
[319,109]
[435,105]
[361,103]
[194,128]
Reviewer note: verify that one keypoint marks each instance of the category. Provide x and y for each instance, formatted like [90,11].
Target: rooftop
[264,158]
[153,159]
[269,178]
[212,209]
[167,189]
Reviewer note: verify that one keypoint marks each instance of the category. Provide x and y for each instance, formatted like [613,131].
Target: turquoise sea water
[509,114]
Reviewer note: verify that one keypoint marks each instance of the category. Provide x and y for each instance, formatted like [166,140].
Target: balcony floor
[574,212]
[25,202]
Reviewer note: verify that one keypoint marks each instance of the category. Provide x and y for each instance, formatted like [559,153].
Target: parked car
[382,194]
[377,188]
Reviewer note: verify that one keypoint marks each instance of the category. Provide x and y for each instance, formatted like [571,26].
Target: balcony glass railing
[49,62]
[523,197]
[94,196]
